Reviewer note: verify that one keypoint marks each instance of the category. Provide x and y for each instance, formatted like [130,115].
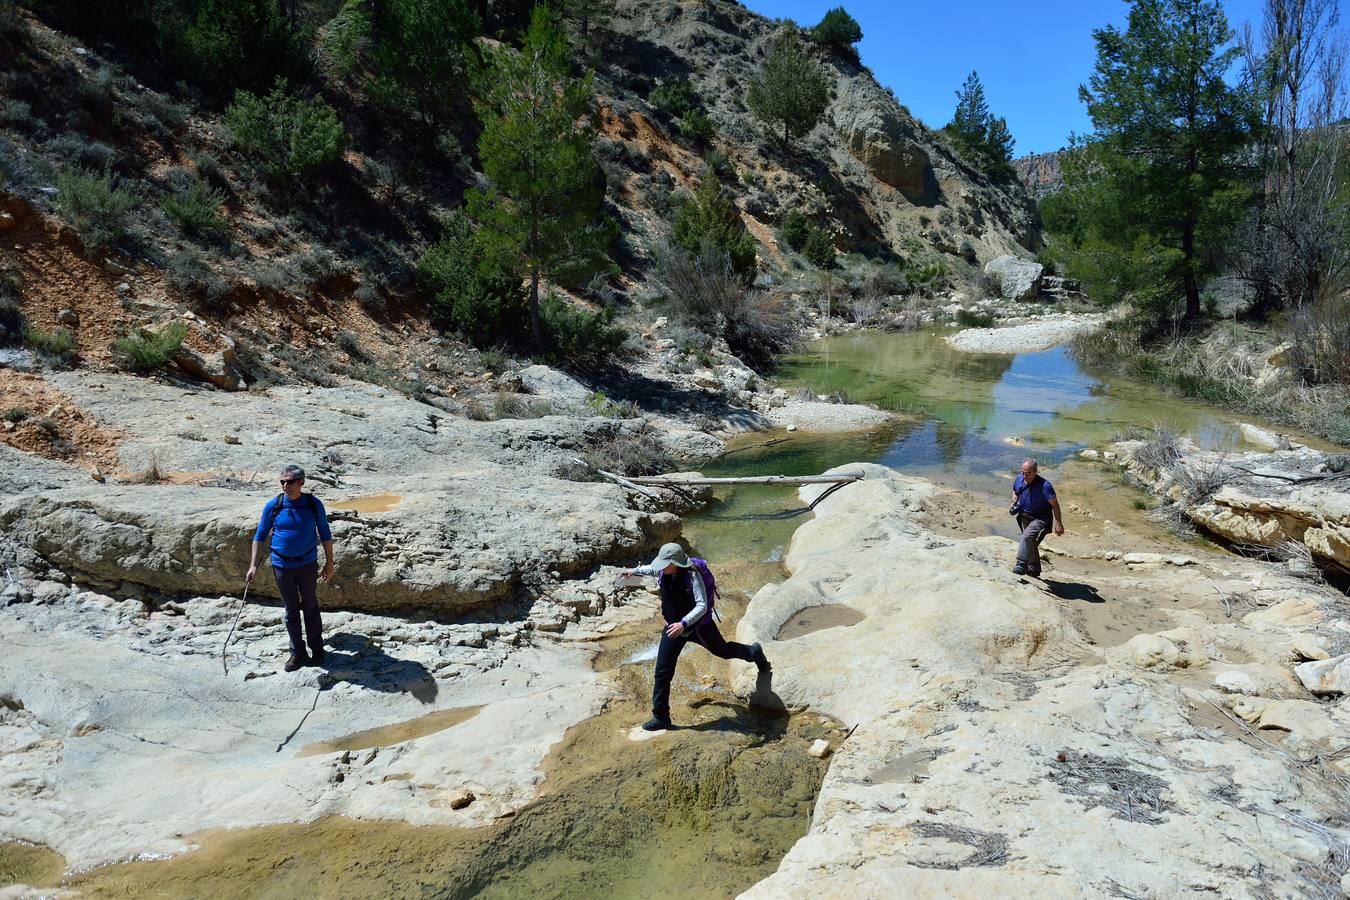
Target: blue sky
[1031,57]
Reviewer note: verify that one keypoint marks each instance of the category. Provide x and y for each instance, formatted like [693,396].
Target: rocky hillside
[317,281]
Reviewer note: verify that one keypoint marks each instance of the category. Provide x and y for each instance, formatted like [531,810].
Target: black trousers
[708,637]
[299,591]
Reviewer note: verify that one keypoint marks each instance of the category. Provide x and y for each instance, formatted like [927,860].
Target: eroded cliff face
[1132,723]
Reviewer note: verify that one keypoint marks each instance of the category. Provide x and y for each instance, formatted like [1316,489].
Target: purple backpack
[709,589]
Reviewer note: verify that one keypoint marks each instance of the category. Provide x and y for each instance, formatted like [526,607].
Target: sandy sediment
[1038,334]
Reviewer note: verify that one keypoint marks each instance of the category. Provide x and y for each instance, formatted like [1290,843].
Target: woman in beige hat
[687,594]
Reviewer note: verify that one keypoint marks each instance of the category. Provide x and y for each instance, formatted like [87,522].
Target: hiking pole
[238,613]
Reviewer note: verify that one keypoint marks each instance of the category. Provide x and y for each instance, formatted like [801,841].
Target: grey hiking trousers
[1029,547]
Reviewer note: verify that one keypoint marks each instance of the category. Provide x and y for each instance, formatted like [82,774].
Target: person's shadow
[1074,590]
[355,659]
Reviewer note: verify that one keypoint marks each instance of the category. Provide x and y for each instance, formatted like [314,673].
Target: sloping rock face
[479,506]
[999,752]
[870,173]
[1297,495]
[883,142]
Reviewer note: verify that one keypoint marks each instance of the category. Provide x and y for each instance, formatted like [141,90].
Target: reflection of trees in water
[951,441]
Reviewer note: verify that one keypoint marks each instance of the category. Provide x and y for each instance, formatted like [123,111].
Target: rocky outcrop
[876,135]
[479,505]
[1292,496]
[1040,172]
[1017,279]
[1041,333]
[997,751]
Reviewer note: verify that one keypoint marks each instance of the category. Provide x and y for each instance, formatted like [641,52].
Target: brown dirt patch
[77,437]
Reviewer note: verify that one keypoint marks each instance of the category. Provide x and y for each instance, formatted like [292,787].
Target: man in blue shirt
[1036,503]
[298,524]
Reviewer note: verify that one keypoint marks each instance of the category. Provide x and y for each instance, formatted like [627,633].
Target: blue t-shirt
[1035,500]
[296,532]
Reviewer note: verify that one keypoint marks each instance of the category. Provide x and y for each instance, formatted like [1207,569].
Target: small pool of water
[818,618]
[396,733]
[375,503]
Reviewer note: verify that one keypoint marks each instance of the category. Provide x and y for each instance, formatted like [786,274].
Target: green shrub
[819,249]
[711,216]
[696,127]
[674,98]
[189,274]
[144,350]
[795,230]
[578,336]
[838,30]
[285,135]
[969,318]
[471,292]
[243,44]
[16,414]
[57,349]
[193,209]
[96,207]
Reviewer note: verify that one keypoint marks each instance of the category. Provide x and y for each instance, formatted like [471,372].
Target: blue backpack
[709,590]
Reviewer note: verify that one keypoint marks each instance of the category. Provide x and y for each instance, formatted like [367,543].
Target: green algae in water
[707,810]
[22,863]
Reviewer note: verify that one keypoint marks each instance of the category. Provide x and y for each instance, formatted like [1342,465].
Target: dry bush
[865,308]
[1321,338]
[629,452]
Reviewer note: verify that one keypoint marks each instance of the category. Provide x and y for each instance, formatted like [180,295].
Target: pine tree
[970,121]
[711,218]
[1172,131]
[791,90]
[838,30]
[981,137]
[543,208]
[421,52]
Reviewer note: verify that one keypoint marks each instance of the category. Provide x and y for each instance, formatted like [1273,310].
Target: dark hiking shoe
[761,661]
[1019,569]
[1034,573]
[294,662]
[316,658]
[655,724]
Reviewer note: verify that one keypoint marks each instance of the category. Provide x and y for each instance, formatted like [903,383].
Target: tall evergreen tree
[978,134]
[543,209]
[1172,131]
[791,90]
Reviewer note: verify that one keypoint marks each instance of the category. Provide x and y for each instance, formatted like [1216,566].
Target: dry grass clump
[1112,784]
[990,849]
[629,452]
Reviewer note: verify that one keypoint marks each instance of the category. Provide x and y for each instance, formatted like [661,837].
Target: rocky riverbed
[1133,725]
[1154,717]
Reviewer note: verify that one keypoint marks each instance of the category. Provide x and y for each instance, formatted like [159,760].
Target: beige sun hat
[671,554]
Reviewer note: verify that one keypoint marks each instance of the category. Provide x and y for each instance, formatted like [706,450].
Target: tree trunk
[536,323]
[1189,282]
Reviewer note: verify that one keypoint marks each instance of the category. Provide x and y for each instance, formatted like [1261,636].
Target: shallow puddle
[397,733]
[374,503]
[22,863]
[818,618]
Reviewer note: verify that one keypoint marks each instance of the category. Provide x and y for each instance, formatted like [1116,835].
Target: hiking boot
[1019,569]
[316,658]
[294,662]
[656,724]
[761,661]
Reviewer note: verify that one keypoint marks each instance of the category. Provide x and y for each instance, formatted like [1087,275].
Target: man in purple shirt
[298,524]
[1036,502]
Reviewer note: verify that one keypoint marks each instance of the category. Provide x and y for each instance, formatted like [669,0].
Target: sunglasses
[291,480]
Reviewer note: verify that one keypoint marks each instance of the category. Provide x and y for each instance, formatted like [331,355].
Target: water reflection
[976,416]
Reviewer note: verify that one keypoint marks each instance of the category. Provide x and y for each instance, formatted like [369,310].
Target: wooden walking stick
[238,613]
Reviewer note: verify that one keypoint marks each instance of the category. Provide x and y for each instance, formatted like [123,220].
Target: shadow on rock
[757,719]
[355,658]
[1074,590]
